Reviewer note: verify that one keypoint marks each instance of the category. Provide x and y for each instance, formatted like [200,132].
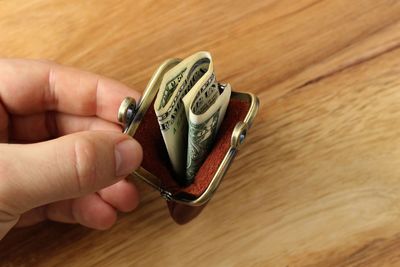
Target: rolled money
[189,98]
[206,112]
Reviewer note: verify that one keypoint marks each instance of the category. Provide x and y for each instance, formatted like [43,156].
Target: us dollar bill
[188,97]
[206,112]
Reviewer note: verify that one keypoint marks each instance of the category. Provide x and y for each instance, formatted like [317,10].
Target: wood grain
[318,182]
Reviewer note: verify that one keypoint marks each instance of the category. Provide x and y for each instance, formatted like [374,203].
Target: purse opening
[155,156]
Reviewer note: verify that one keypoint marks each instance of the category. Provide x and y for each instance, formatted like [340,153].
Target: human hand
[62,155]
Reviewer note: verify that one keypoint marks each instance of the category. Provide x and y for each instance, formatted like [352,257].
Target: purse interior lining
[155,156]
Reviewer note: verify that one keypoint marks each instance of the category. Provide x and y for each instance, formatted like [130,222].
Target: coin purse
[140,121]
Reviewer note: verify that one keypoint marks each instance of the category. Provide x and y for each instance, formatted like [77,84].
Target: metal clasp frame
[131,114]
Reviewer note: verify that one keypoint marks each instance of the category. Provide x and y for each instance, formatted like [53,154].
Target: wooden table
[318,182]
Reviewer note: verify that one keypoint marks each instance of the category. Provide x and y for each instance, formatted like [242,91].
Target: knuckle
[85,162]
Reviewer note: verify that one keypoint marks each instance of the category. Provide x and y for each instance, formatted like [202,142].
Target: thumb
[68,167]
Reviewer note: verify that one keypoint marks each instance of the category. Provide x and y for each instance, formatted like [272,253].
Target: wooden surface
[318,182]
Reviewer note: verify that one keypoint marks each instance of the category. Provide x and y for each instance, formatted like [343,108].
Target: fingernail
[126,153]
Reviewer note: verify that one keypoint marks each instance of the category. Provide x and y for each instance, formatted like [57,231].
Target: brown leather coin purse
[140,121]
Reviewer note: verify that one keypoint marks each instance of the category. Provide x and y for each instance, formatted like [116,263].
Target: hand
[62,155]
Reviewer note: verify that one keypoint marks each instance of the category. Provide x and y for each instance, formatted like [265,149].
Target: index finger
[29,86]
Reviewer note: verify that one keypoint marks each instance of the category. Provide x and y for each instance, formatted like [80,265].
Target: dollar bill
[188,99]
[206,112]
